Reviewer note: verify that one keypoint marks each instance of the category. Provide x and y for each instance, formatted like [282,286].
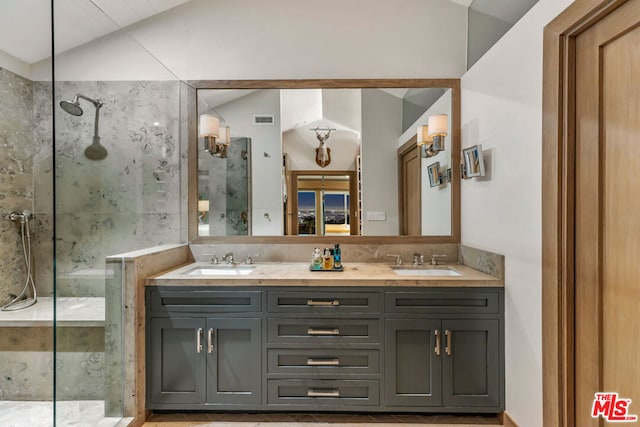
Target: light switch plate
[376,216]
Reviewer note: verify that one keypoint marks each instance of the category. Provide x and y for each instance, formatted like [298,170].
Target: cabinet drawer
[206,301]
[323,302]
[323,362]
[324,330]
[443,302]
[336,393]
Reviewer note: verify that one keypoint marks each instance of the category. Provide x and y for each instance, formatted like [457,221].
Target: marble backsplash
[485,261]
[350,252]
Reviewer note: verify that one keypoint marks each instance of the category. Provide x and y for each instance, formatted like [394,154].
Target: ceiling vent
[264,119]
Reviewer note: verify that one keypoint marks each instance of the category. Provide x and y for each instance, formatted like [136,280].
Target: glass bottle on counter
[328,259]
[337,256]
[316,259]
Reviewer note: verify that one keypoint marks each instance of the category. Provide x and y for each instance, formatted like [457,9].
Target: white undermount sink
[424,271]
[220,270]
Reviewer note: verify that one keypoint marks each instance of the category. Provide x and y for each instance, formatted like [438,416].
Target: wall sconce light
[438,128]
[216,138]
[431,137]
[203,208]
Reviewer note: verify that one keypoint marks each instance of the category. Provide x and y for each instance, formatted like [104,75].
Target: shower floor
[78,413]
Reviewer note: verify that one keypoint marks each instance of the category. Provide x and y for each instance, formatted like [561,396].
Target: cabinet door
[176,365]
[234,374]
[412,365]
[471,363]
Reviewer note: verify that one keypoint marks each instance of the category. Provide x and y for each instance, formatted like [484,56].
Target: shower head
[72,107]
[95,151]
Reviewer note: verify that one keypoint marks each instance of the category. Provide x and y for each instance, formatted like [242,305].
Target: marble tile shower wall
[16,175]
[129,200]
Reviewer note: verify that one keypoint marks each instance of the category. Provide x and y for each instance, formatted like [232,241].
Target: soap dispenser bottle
[337,256]
[316,260]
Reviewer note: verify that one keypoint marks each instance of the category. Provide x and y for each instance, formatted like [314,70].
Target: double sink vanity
[278,337]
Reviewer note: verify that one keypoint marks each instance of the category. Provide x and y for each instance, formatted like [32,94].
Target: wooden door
[607,211]
[410,190]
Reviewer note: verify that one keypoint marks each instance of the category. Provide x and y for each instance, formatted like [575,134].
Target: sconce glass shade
[438,125]
[224,135]
[423,135]
[209,125]
[203,206]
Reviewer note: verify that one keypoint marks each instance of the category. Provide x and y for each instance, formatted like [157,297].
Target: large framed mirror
[284,161]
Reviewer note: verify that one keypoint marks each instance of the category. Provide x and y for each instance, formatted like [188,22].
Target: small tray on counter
[341,268]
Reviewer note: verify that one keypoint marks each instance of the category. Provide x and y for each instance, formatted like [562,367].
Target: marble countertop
[354,274]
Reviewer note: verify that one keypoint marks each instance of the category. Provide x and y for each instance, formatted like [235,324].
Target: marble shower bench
[71,311]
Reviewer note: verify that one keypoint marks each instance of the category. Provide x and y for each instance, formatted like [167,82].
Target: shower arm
[98,104]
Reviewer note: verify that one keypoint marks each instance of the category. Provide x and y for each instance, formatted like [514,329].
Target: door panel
[234,361]
[412,367]
[177,365]
[607,224]
[471,363]
[411,211]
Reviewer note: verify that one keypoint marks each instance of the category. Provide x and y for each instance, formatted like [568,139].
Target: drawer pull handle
[210,341]
[313,331]
[437,349]
[448,347]
[314,303]
[323,362]
[323,393]
[198,340]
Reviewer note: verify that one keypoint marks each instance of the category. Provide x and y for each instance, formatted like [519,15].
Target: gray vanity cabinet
[204,349]
[444,349]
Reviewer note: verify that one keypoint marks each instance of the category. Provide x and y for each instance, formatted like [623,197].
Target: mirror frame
[191,100]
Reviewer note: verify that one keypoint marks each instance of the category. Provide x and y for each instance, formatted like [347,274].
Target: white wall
[502,110]
[266,157]
[15,65]
[257,39]
[381,125]
[435,201]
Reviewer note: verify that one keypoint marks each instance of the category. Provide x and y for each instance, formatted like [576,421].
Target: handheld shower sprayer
[22,300]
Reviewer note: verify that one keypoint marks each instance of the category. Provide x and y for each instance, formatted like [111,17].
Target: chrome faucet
[249,259]
[214,258]
[434,259]
[228,258]
[397,257]
[418,259]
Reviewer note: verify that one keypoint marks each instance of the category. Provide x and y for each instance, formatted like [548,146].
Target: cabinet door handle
[448,347]
[323,362]
[323,393]
[333,303]
[313,331]
[210,341]
[198,340]
[437,349]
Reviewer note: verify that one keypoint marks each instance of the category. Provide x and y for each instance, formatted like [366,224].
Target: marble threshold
[70,311]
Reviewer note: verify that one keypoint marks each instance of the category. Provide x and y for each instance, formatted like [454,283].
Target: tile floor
[316,420]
